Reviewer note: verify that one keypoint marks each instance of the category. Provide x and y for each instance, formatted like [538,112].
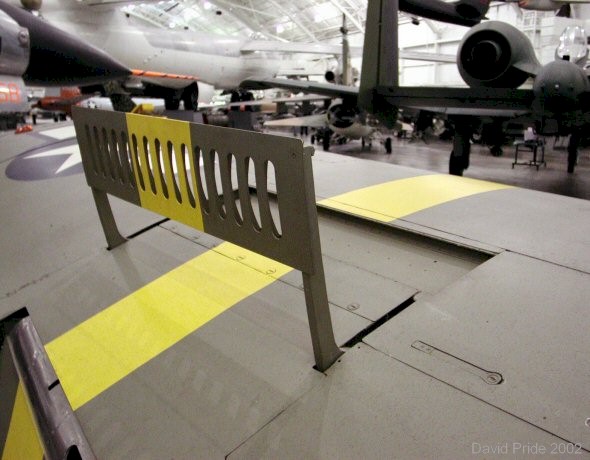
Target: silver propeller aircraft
[494,59]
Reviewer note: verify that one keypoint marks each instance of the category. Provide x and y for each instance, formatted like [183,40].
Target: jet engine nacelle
[560,85]
[32,5]
[342,116]
[497,55]
[14,40]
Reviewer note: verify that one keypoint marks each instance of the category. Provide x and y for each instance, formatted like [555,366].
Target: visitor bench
[213,179]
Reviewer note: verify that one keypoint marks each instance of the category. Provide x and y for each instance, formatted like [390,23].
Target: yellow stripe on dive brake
[396,199]
[22,440]
[176,200]
[110,345]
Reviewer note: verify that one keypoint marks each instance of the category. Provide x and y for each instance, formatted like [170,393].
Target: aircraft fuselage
[213,60]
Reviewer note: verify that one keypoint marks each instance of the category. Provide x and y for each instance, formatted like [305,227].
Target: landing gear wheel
[388,148]
[190,97]
[456,165]
[172,102]
[326,142]
[571,165]
[496,151]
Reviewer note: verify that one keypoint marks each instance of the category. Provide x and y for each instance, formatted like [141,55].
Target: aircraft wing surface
[319,48]
[293,47]
[324,89]
[475,100]
[312,121]
[454,111]
[444,99]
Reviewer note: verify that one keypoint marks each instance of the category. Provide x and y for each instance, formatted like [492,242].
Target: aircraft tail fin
[380,58]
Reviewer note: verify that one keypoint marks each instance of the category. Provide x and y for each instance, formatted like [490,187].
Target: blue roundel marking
[47,162]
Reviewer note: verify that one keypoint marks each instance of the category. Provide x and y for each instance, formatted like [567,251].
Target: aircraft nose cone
[61,59]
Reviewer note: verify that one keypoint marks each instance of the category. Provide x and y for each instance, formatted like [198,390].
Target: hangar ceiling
[284,20]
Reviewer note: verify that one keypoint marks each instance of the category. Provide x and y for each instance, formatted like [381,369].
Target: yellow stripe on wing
[393,200]
[110,345]
[22,440]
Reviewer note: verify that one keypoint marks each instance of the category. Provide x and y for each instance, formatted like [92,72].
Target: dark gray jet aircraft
[32,52]
[49,56]
[494,59]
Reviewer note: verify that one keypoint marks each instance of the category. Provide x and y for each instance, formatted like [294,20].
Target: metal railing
[35,415]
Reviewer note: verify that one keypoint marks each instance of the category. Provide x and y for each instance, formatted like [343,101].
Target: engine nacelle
[31,5]
[560,85]
[342,116]
[15,47]
[497,55]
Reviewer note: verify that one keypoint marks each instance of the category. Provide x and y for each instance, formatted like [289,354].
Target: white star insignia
[72,151]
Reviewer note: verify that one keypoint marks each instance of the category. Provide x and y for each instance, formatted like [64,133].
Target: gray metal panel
[422,263]
[381,266]
[48,225]
[215,388]
[104,147]
[206,395]
[519,317]
[83,288]
[467,98]
[542,225]
[232,218]
[364,293]
[280,308]
[336,174]
[374,407]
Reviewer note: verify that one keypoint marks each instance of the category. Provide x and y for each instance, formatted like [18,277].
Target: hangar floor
[433,155]
[464,321]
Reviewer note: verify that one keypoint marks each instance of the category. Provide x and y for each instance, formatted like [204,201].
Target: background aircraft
[343,120]
[219,62]
[494,59]
[58,104]
[33,52]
